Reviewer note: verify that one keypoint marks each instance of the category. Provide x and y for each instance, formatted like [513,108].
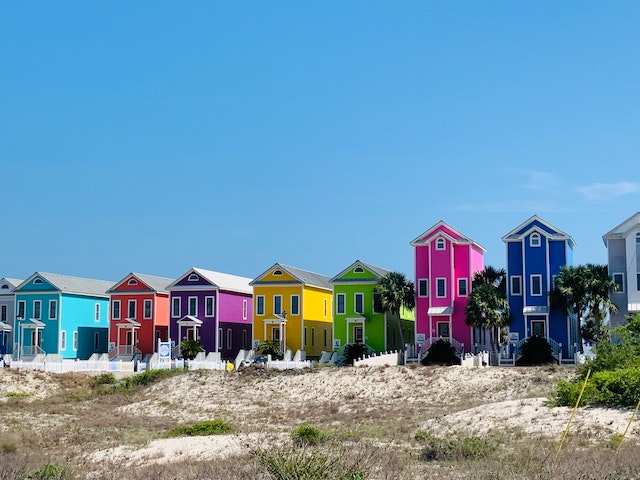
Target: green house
[355,318]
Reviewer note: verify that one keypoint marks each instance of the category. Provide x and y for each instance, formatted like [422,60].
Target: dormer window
[5,287]
[534,240]
[37,281]
[358,270]
[277,273]
[193,278]
[440,244]
[133,281]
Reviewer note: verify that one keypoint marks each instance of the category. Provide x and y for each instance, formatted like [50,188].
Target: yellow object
[229,366]
[566,430]
[635,411]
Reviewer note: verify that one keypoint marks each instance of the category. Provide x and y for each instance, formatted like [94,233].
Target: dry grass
[367,414]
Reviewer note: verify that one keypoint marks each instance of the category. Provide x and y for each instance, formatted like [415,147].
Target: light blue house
[7,314]
[58,314]
[536,251]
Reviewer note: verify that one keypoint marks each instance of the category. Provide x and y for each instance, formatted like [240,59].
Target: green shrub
[611,388]
[463,448]
[50,471]
[441,353]
[536,351]
[209,427]
[354,351]
[307,435]
[103,379]
[190,348]
[304,464]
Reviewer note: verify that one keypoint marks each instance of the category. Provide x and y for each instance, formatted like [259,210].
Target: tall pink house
[445,262]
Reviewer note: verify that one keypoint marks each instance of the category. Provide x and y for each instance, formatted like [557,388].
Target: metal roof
[76,285]
[226,281]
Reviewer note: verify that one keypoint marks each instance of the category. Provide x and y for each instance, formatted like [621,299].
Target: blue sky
[155,136]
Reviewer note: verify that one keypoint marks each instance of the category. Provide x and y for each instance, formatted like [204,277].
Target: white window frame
[245,310]
[97,312]
[149,302]
[229,338]
[344,304]
[621,284]
[325,308]
[297,309]
[531,280]
[193,278]
[63,340]
[53,303]
[260,303]
[22,305]
[464,281]
[442,280]
[358,270]
[277,310]
[115,311]
[176,302]
[425,282]
[441,244]
[39,309]
[4,311]
[96,341]
[212,299]
[355,302]
[535,240]
[135,309]
[220,333]
[133,281]
[75,340]
[194,312]
[511,280]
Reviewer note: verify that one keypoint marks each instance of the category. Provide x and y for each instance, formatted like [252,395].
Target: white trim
[444,282]
[441,241]
[75,340]
[344,303]
[113,310]
[55,310]
[193,313]
[135,308]
[132,281]
[96,312]
[355,302]
[193,278]
[511,279]
[245,312]
[229,338]
[466,287]
[24,309]
[213,306]
[39,315]
[277,311]
[426,283]
[175,314]
[62,341]
[531,278]
[258,312]
[297,312]
[535,240]
[144,307]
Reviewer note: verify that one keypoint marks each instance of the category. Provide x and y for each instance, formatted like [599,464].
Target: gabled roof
[537,224]
[379,272]
[157,284]
[223,281]
[623,229]
[12,283]
[444,230]
[303,276]
[75,285]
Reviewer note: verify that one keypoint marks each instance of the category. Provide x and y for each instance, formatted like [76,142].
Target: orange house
[139,315]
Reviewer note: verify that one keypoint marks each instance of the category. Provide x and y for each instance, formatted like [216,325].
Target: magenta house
[445,262]
[214,308]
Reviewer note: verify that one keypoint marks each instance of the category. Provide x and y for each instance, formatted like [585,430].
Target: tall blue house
[536,251]
[58,314]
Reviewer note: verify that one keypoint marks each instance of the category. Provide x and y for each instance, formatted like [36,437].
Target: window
[536,285]
[97,311]
[534,240]
[618,282]
[116,309]
[96,341]
[325,337]
[295,304]
[440,244]
[133,281]
[53,309]
[441,287]
[3,313]
[219,339]
[175,307]
[36,309]
[132,309]
[325,307]
[260,305]
[463,287]
[193,278]
[313,337]
[423,287]
[340,305]
[75,340]
[277,273]
[209,306]
[244,312]
[358,270]
[193,306]
[376,306]
[63,340]
[304,338]
[537,328]
[37,281]
[358,334]
[443,329]
[229,337]
[244,339]
[516,285]
[147,309]
[277,304]
[21,307]
[5,287]
[359,303]
[275,334]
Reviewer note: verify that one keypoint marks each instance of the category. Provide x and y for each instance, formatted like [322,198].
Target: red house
[139,315]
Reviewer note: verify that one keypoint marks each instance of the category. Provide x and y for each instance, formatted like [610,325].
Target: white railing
[124,351]
[387,358]
[514,352]
[424,348]
[31,351]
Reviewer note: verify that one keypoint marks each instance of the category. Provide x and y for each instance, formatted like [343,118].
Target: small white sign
[164,350]
[112,346]
[421,338]
[336,343]
[514,337]
[256,343]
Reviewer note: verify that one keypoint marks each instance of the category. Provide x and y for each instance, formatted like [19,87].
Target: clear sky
[153,136]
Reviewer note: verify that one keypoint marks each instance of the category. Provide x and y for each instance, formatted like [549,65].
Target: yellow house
[293,307]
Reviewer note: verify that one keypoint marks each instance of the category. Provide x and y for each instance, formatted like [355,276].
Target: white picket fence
[480,359]
[56,364]
[387,358]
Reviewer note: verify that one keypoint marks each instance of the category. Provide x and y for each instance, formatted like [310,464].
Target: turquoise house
[59,314]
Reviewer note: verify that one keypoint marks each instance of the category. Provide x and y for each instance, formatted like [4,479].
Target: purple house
[214,308]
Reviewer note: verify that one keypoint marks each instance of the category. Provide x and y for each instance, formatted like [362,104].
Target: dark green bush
[209,427]
[50,471]
[354,351]
[454,449]
[307,435]
[441,353]
[536,351]
[305,464]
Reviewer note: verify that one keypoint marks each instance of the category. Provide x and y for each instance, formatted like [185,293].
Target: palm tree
[393,292]
[488,306]
[584,291]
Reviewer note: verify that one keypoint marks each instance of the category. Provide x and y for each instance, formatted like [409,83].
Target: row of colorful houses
[301,310]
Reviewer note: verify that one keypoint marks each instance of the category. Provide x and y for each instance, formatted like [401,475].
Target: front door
[358,334]
[537,328]
[443,329]
[129,340]
[36,338]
